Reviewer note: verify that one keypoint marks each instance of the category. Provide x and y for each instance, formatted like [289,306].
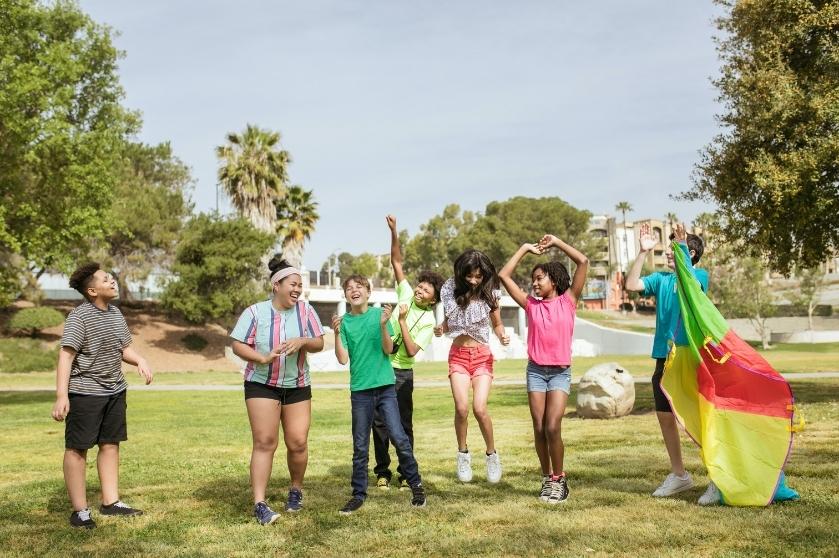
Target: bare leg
[536,399]
[554,411]
[460,392]
[670,433]
[75,462]
[107,462]
[296,419]
[480,395]
[264,415]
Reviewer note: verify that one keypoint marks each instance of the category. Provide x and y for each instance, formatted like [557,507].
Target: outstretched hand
[679,232]
[391,222]
[647,241]
[547,241]
[533,248]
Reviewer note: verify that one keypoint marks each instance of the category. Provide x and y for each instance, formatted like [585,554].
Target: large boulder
[606,391]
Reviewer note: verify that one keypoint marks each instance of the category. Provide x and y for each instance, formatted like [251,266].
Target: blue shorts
[548,378]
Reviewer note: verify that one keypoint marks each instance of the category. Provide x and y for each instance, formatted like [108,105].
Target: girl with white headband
[273,337]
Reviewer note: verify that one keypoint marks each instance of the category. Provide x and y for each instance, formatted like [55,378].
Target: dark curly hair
[465,264]
[557,273]
[81,279]
[694,243]
[277,263]
[434,279]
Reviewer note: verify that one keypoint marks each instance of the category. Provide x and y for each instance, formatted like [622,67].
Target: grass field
[186,463]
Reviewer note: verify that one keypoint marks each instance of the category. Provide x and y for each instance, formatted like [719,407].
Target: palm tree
[253,169]
[296,217]
[624,207]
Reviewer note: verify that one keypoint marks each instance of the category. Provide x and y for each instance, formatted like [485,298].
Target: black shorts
[95,419]
[285,396]
[662,404]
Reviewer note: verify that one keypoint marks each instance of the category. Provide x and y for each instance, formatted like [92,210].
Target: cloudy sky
[405,107]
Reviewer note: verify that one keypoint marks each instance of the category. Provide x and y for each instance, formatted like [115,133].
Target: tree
[297,213]
[624,208]
[253,170]
[439,241]
[35,319]
[773,170]
[810,285]
[153,184]
[365,264]
[62,129]
[217,267]
[671,218]
[740,286]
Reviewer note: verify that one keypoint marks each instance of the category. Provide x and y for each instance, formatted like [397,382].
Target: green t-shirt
[361,336]
[420,325]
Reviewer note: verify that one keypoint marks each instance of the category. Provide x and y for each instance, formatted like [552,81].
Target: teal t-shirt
[662,285]
[362,338]
[420,322]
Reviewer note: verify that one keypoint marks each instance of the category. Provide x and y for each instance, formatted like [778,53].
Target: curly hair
[465,264]
[434,279]
[81,279]
[557,273]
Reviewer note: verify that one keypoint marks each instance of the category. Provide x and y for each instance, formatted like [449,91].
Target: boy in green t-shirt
[363,338]
[414,326]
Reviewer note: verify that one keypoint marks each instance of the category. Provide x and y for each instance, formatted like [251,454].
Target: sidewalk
[417,384]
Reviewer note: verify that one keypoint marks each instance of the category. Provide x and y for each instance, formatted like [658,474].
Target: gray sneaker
[545,493]
[264,514]
[559,491]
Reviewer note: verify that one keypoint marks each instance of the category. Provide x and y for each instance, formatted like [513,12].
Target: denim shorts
[548,378]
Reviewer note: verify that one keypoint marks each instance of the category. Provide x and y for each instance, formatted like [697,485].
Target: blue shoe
[295,500]
[264,514]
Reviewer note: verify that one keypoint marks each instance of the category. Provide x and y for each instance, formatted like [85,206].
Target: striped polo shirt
[98,337]
[263,327]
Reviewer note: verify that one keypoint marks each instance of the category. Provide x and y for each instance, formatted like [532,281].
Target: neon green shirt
[420,326]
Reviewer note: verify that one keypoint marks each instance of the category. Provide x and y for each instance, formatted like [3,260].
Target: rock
[606,391]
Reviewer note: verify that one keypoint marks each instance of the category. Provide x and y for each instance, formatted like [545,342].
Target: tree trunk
[810,308]
[122,285]
[293,252]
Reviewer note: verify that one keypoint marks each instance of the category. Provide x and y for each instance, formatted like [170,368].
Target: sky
[389,106]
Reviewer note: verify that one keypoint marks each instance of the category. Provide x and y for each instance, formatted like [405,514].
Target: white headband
[283,273]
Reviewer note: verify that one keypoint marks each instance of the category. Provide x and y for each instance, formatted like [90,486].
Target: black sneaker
[264,514]
[559,491]
[295,500]
[545,492]
[119,508]
[351,506]
[82,519]
[418,496]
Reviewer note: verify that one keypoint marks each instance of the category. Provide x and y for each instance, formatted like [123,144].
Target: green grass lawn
[186,464]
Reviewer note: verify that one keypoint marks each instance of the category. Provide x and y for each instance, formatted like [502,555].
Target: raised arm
[506,273]
[340,351]
[578,282]
[395,250]
[646,243]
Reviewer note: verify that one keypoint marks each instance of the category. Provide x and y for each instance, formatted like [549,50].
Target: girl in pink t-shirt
[550,326]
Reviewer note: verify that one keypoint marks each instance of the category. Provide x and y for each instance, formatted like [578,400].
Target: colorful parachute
[733,404]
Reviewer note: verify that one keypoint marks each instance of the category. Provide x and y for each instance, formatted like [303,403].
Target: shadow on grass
[26,397]
[815,392]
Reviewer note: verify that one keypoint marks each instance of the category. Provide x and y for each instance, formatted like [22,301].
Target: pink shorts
[472,361]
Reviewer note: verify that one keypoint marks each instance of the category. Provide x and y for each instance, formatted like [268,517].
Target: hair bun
[277,263]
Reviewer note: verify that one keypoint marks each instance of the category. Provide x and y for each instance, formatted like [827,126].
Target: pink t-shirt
[550,327]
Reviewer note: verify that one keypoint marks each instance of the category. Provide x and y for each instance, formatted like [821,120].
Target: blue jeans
[548,378]
[381,401]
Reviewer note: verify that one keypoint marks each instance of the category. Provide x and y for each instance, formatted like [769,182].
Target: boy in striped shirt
[90,391]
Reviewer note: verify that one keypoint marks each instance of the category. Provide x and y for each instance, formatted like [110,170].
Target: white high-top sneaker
[464,466]
[493,468]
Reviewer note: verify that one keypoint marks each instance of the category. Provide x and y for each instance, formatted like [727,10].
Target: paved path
[418,384]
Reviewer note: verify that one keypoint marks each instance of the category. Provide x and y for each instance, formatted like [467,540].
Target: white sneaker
[711,497]
[493,468]
[464,466]
[673,485]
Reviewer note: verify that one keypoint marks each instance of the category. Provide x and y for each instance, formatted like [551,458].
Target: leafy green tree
[364,264]
[439,241]
[62,128]
[774,168]
[740,286]
[810,285]
[297,213]
[149,208]
[35,319]
[217,268]
[253,169]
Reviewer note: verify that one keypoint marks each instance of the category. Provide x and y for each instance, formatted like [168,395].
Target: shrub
[194,342]
[35,319]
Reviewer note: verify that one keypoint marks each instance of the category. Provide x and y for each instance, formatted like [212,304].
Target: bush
[35,319]
[194,342]
[26,355]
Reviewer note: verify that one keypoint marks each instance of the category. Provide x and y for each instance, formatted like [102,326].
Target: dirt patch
[159,339]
